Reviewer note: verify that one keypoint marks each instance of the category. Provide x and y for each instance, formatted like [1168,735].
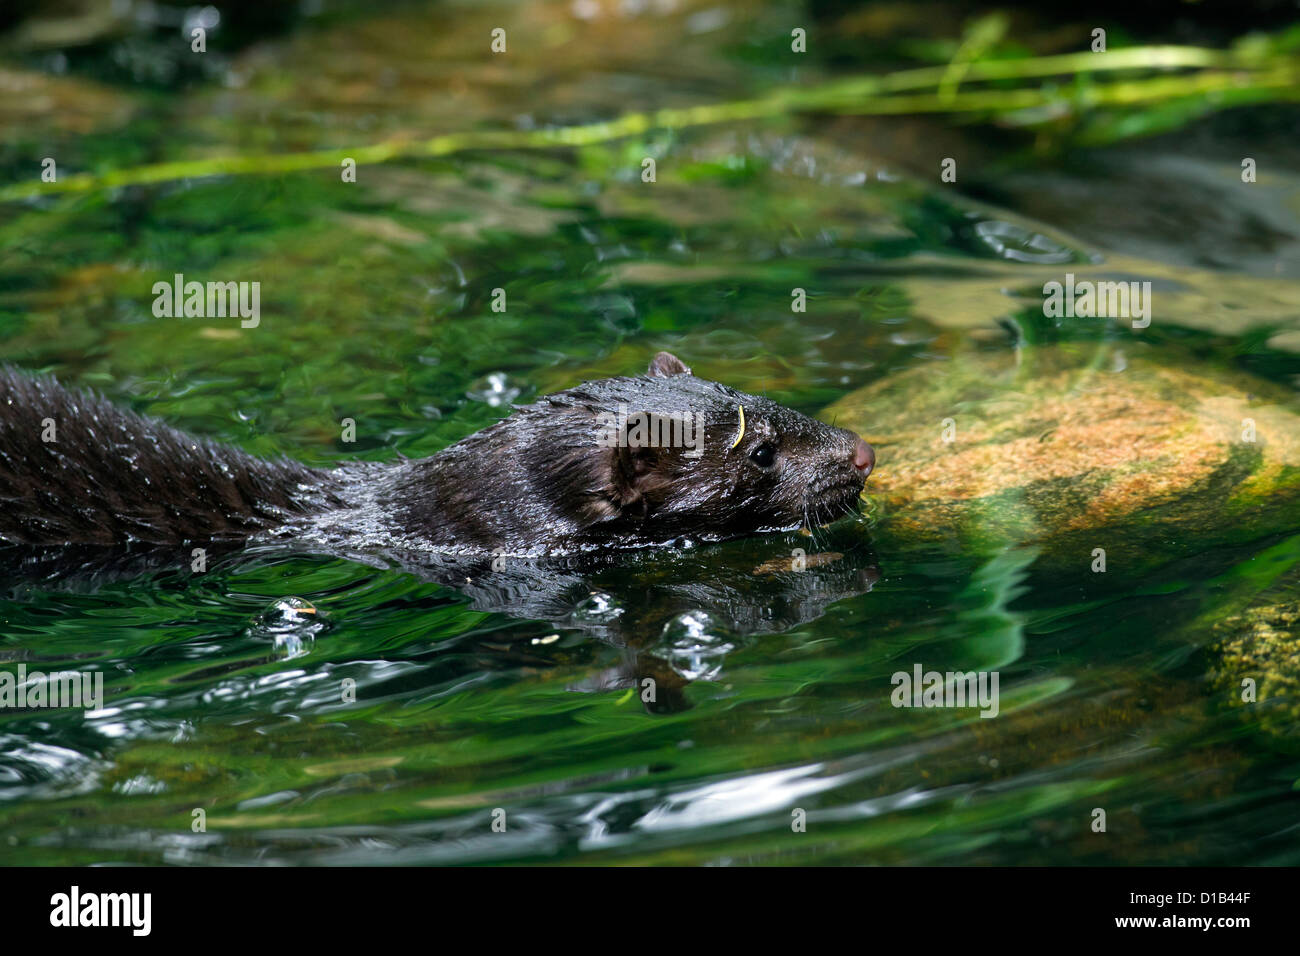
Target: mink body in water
[546,480]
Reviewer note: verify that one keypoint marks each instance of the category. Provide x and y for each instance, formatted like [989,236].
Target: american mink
[576,471]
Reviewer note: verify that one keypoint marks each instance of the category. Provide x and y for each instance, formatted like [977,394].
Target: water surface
[377,306]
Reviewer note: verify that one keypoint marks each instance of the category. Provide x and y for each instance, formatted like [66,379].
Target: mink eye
[763,456]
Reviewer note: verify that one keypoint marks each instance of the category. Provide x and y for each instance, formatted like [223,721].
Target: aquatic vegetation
[1075,95]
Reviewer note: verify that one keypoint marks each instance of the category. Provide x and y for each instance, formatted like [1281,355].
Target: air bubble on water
[695,645]
[1009,241]
[493,389]
[289,612]
[292,624]
[597,608]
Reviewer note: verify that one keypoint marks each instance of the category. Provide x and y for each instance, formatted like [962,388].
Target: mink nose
[864,457]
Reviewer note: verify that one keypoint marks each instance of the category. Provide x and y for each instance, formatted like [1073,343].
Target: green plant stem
[1233,76]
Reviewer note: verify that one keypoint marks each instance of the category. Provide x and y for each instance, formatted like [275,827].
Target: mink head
[670,455]
[629,462]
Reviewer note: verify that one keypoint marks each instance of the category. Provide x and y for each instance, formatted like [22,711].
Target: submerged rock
[1075,449]
[1255,656]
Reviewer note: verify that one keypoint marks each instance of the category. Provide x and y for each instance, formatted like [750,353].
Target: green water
[377,306]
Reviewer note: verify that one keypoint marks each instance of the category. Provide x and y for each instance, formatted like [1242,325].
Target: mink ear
[666,363]
[632,470]
[640,469]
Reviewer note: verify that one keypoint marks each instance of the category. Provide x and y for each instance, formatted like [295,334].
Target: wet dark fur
[112,477]
[537,482]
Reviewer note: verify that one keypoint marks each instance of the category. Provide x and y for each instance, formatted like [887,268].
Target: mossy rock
[1071,449]
[1260,643]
